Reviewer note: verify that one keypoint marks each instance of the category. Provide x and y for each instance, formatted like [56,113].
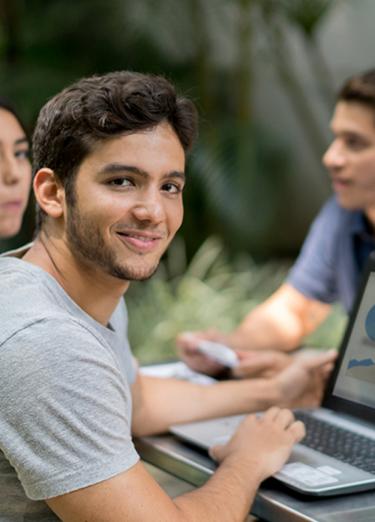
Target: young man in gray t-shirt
[109,161]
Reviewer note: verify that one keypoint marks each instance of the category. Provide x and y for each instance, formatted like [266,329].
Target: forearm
[226,496]
[267,329]
[281,322]
[134,495]
[167,401]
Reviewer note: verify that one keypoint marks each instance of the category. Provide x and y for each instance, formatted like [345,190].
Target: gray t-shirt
[65,402]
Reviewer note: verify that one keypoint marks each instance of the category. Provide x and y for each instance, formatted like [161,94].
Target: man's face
[128,207]
[350,159]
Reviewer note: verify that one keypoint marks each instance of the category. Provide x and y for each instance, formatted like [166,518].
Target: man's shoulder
[53,349]
[332,220]
[35,314]
[26,299]
[16,274]
[56,333]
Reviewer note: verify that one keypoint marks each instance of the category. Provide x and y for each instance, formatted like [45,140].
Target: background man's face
[350,159]
[128,203]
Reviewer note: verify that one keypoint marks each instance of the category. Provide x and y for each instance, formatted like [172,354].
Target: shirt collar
[359,226]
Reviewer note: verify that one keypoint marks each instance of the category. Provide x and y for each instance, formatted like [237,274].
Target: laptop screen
[355,378]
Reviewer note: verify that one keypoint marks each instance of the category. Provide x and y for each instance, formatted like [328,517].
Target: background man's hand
[300,377]
[252,363]
[187,346]
[264,442]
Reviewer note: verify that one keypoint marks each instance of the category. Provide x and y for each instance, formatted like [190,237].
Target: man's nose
[334,157]
[149,209]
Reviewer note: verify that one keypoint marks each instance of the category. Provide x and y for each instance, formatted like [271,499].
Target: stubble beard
[88,246]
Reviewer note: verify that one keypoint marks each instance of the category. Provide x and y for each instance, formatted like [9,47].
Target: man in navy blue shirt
[334,252]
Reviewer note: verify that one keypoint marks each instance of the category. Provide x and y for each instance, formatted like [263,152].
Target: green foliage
[306,14]
[213,292]
[240,172]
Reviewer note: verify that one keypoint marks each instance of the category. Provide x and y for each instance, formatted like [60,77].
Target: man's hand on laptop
[263,442]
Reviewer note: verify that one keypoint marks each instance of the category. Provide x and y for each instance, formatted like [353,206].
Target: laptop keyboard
[344,445]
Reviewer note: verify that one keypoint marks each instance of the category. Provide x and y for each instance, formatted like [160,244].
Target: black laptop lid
[351,388]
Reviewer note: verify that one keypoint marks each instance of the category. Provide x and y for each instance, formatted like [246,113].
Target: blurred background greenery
[263,74]
[212,291]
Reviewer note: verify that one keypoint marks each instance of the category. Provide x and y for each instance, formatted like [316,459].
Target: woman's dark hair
[7,105]
[99,108]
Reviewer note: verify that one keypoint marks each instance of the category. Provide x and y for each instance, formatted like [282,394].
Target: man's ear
[49,192]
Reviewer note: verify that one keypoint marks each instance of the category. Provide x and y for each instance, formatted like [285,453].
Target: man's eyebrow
[176,174]
[350,133]
[117,168]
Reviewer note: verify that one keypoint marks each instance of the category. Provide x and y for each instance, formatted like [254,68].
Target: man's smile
[141,241]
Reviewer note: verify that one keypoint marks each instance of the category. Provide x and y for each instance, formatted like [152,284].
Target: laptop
[337,455]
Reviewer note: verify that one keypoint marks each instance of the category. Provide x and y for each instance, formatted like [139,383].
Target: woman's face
[15,174]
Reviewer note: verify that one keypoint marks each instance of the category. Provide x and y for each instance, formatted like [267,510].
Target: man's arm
[158,403]
[281,322]
[258,449]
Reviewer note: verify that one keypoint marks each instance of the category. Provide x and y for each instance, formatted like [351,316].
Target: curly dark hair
[99,108]
[359,88]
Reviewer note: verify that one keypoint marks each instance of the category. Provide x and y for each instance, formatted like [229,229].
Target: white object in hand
[218,352]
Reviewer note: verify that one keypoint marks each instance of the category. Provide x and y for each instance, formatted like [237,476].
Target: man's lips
[141,241]
[341,183]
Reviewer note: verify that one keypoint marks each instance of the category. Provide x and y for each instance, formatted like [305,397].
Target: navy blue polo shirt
[333,255]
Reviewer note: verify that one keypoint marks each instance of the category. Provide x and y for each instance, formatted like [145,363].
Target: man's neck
[95,292]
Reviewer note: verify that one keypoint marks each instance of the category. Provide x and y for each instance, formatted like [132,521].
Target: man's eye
[355,143]
[172,188]
[121,182]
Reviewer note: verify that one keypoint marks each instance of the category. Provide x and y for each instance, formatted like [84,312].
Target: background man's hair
[360,88]
[99,108]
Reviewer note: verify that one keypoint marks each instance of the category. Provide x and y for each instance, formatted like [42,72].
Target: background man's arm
[281,322]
